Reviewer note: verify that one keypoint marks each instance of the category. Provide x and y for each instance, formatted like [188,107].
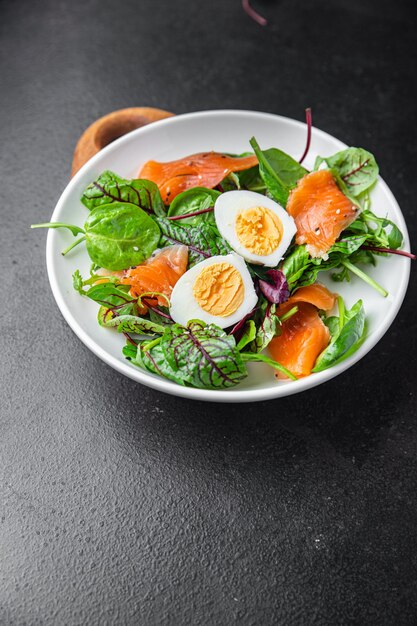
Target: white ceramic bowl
[227,131]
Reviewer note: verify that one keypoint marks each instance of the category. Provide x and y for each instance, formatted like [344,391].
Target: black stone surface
[120,505]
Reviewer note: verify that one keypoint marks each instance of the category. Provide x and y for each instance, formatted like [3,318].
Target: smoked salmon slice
[320,210]
[159,273]
[303,336]
[316,294]
[205,169]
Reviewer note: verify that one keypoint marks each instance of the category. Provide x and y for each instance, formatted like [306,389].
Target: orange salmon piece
[205,169]
[320,210]
[316,294]
[159,273]
[304,336]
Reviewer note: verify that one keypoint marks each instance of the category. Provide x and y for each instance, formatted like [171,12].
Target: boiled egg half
[218,290]
[255,226]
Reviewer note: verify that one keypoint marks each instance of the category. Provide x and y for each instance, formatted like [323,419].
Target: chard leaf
[348,245]
[128,323]
[155,317]
[198,355]
[346,340]
[279,171]
[203,240]
[267,325]
[113,299]
[192,200]
[109,188]
[356,167]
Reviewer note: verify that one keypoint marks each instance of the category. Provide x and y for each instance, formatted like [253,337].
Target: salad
[212,261]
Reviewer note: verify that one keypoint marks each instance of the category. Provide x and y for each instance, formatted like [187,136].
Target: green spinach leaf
[278,170]
[120,235]
[295,265]
[192,200]
[117,235]
[251,179]
[345,340]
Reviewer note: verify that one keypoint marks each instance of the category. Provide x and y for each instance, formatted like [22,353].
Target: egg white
[226,210]
[184,306]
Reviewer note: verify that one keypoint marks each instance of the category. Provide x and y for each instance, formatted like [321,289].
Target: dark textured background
[120,505]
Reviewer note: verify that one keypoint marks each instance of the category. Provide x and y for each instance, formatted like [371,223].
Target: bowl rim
[234,394]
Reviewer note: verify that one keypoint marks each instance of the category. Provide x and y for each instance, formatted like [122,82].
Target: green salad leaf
[251,179]
[117,235]
[348,245]
[191,200]
[112,297]
[302,270]
[267,325]
[263,358]
[203,240]
[198,355]
[248,335]
[109,187]
[356,167]
[348,333]
[128,323]
[295,264]
[279,171]
[381,232]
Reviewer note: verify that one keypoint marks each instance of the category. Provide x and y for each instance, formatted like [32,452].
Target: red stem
[309,121]
[254,15]
[200,212]
[129,339]
[240,324]
[409,255]
[156,310]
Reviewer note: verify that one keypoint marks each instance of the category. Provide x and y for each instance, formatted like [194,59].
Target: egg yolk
[219,289]
[259,230]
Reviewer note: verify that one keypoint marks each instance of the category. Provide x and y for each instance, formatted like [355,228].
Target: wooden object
[110,127]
